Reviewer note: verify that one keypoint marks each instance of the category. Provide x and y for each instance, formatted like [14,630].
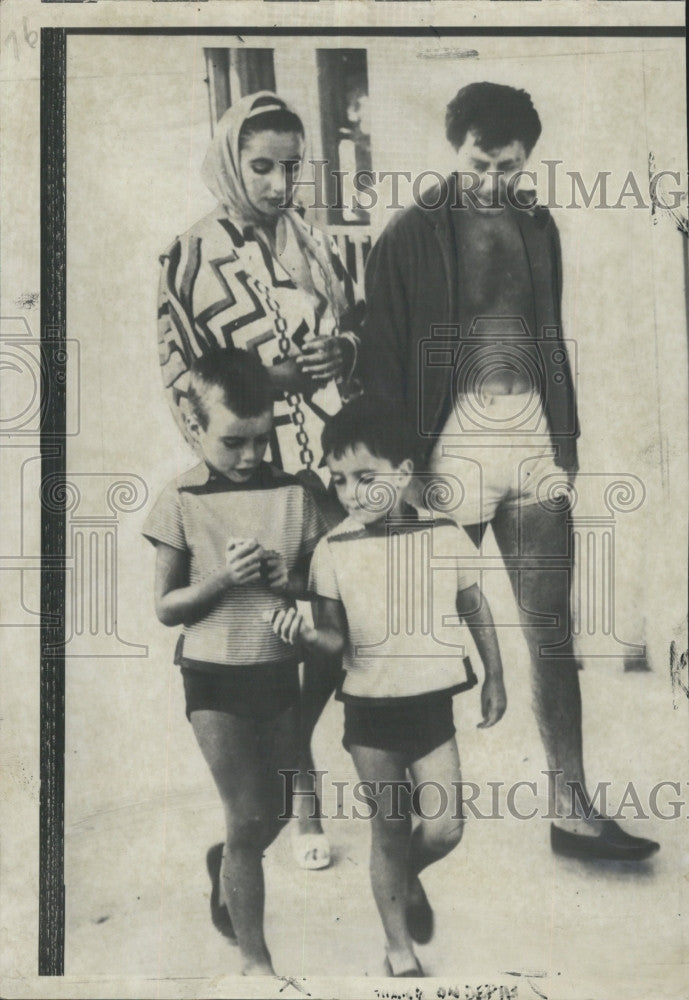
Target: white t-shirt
[398,583]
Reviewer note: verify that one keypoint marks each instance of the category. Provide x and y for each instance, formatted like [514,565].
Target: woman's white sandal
[311,851]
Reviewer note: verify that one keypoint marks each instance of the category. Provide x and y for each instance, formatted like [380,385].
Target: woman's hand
[322,358]
[286,376]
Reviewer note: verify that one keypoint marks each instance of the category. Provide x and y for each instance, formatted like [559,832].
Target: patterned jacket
[221,287]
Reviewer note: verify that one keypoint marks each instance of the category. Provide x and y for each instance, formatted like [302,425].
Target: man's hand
[289,624]
[243,563]
[275,570]
[493,701]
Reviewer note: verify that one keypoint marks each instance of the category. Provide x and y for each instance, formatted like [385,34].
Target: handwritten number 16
[30,37]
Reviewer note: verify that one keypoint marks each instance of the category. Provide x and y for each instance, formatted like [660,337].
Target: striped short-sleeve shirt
[199,513]
[398,584]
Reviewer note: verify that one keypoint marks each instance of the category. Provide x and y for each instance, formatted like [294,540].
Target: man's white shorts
[495,450]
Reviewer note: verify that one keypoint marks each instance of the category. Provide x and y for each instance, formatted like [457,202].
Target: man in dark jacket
[463,332]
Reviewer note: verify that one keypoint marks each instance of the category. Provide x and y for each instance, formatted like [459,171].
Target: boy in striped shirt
[234,537]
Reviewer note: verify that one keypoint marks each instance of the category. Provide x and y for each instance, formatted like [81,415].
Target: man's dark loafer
[219,912]
[420,919]
[611,844]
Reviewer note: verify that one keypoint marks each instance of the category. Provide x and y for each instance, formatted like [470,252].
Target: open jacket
[411,342]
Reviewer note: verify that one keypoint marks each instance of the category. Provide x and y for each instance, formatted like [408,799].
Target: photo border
[53,209]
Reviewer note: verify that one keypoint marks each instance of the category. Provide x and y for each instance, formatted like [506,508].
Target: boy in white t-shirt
[391,590]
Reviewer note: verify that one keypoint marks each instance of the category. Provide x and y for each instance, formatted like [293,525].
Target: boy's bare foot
[219,913]
[419,913]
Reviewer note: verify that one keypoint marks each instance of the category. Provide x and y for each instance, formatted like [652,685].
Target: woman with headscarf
[254,274]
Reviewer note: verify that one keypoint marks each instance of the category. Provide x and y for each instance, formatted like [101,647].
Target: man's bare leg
[536,545]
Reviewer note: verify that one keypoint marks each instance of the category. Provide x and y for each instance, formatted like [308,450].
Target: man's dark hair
[376,424]
[497,114]
[240,376]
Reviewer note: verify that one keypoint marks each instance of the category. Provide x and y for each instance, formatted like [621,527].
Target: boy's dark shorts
[412,727]
[260,691]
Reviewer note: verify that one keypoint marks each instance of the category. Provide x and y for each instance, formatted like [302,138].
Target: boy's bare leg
[279,739]
[435,837]
[242,767]
[390,839]
[438,831]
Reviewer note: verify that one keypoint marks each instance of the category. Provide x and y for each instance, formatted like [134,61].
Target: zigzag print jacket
[221,287]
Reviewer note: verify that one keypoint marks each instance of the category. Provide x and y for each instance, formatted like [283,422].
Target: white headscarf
[222,175]
[220,171]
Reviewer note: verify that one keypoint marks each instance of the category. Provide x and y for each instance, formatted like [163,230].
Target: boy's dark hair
[497,114]
[374,423]
[242,379]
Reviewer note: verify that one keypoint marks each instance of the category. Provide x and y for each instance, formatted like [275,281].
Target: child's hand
[493,701]
[243,563]
[288,623]
[275,572]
